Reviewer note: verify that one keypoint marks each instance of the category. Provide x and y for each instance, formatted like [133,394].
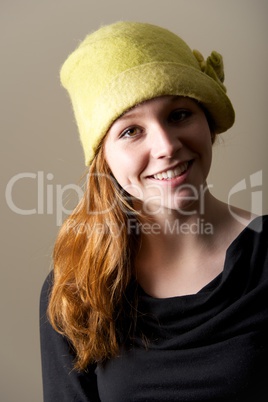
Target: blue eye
[179,115]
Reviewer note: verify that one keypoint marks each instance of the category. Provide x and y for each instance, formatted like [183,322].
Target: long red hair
[93,268]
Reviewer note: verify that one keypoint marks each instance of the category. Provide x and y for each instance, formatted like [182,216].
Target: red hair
[92,268]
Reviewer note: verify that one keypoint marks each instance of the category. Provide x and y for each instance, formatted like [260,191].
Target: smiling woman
[163,146]
[158,291]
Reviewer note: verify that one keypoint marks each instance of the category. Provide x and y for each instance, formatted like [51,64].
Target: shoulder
[251,245]
[256,232]
[45,292]
[257,236]
[259,225]
[48,283]
[240,224]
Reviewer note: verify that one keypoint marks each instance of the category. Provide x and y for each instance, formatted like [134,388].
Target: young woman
[158,292]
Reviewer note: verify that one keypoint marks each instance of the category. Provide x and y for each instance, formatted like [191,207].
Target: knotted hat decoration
[213,66]
[126,63]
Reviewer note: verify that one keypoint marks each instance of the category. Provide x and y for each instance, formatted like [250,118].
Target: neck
[176,248]
[191,225]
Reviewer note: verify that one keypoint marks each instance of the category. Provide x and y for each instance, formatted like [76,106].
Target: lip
[169,168]
[175,180]
[190,161]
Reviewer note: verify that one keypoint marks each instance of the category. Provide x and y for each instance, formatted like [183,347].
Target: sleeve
[61,383]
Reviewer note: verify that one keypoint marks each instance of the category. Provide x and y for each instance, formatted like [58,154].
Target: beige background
[38,137]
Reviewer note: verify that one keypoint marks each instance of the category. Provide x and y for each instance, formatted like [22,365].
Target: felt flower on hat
[213,66]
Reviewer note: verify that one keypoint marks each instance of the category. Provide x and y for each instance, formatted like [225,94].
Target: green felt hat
[125,63]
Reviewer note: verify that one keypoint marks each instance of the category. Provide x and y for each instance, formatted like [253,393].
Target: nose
[164,142]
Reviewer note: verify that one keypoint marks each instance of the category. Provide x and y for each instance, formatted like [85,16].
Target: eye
[130,132]
[179,115]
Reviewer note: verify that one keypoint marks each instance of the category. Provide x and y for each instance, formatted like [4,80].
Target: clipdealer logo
[49,198]
[253,184]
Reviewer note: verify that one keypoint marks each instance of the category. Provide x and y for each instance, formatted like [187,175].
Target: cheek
[119,165]
[125,170]
[201,144]
[203,138]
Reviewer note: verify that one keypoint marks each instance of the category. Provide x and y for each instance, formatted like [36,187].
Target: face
[160,153]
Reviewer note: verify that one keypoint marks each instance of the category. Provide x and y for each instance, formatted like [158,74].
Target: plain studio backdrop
[41,157]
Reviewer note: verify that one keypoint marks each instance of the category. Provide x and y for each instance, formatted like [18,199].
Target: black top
[210,346]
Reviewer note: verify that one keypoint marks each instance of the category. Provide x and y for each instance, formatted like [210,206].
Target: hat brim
[152,80]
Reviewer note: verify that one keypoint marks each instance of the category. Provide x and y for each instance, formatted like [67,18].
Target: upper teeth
[169,174]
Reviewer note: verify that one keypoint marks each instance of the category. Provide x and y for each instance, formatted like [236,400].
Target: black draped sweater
[210,346]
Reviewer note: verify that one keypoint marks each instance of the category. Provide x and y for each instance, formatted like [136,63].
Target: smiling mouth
[171,173]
